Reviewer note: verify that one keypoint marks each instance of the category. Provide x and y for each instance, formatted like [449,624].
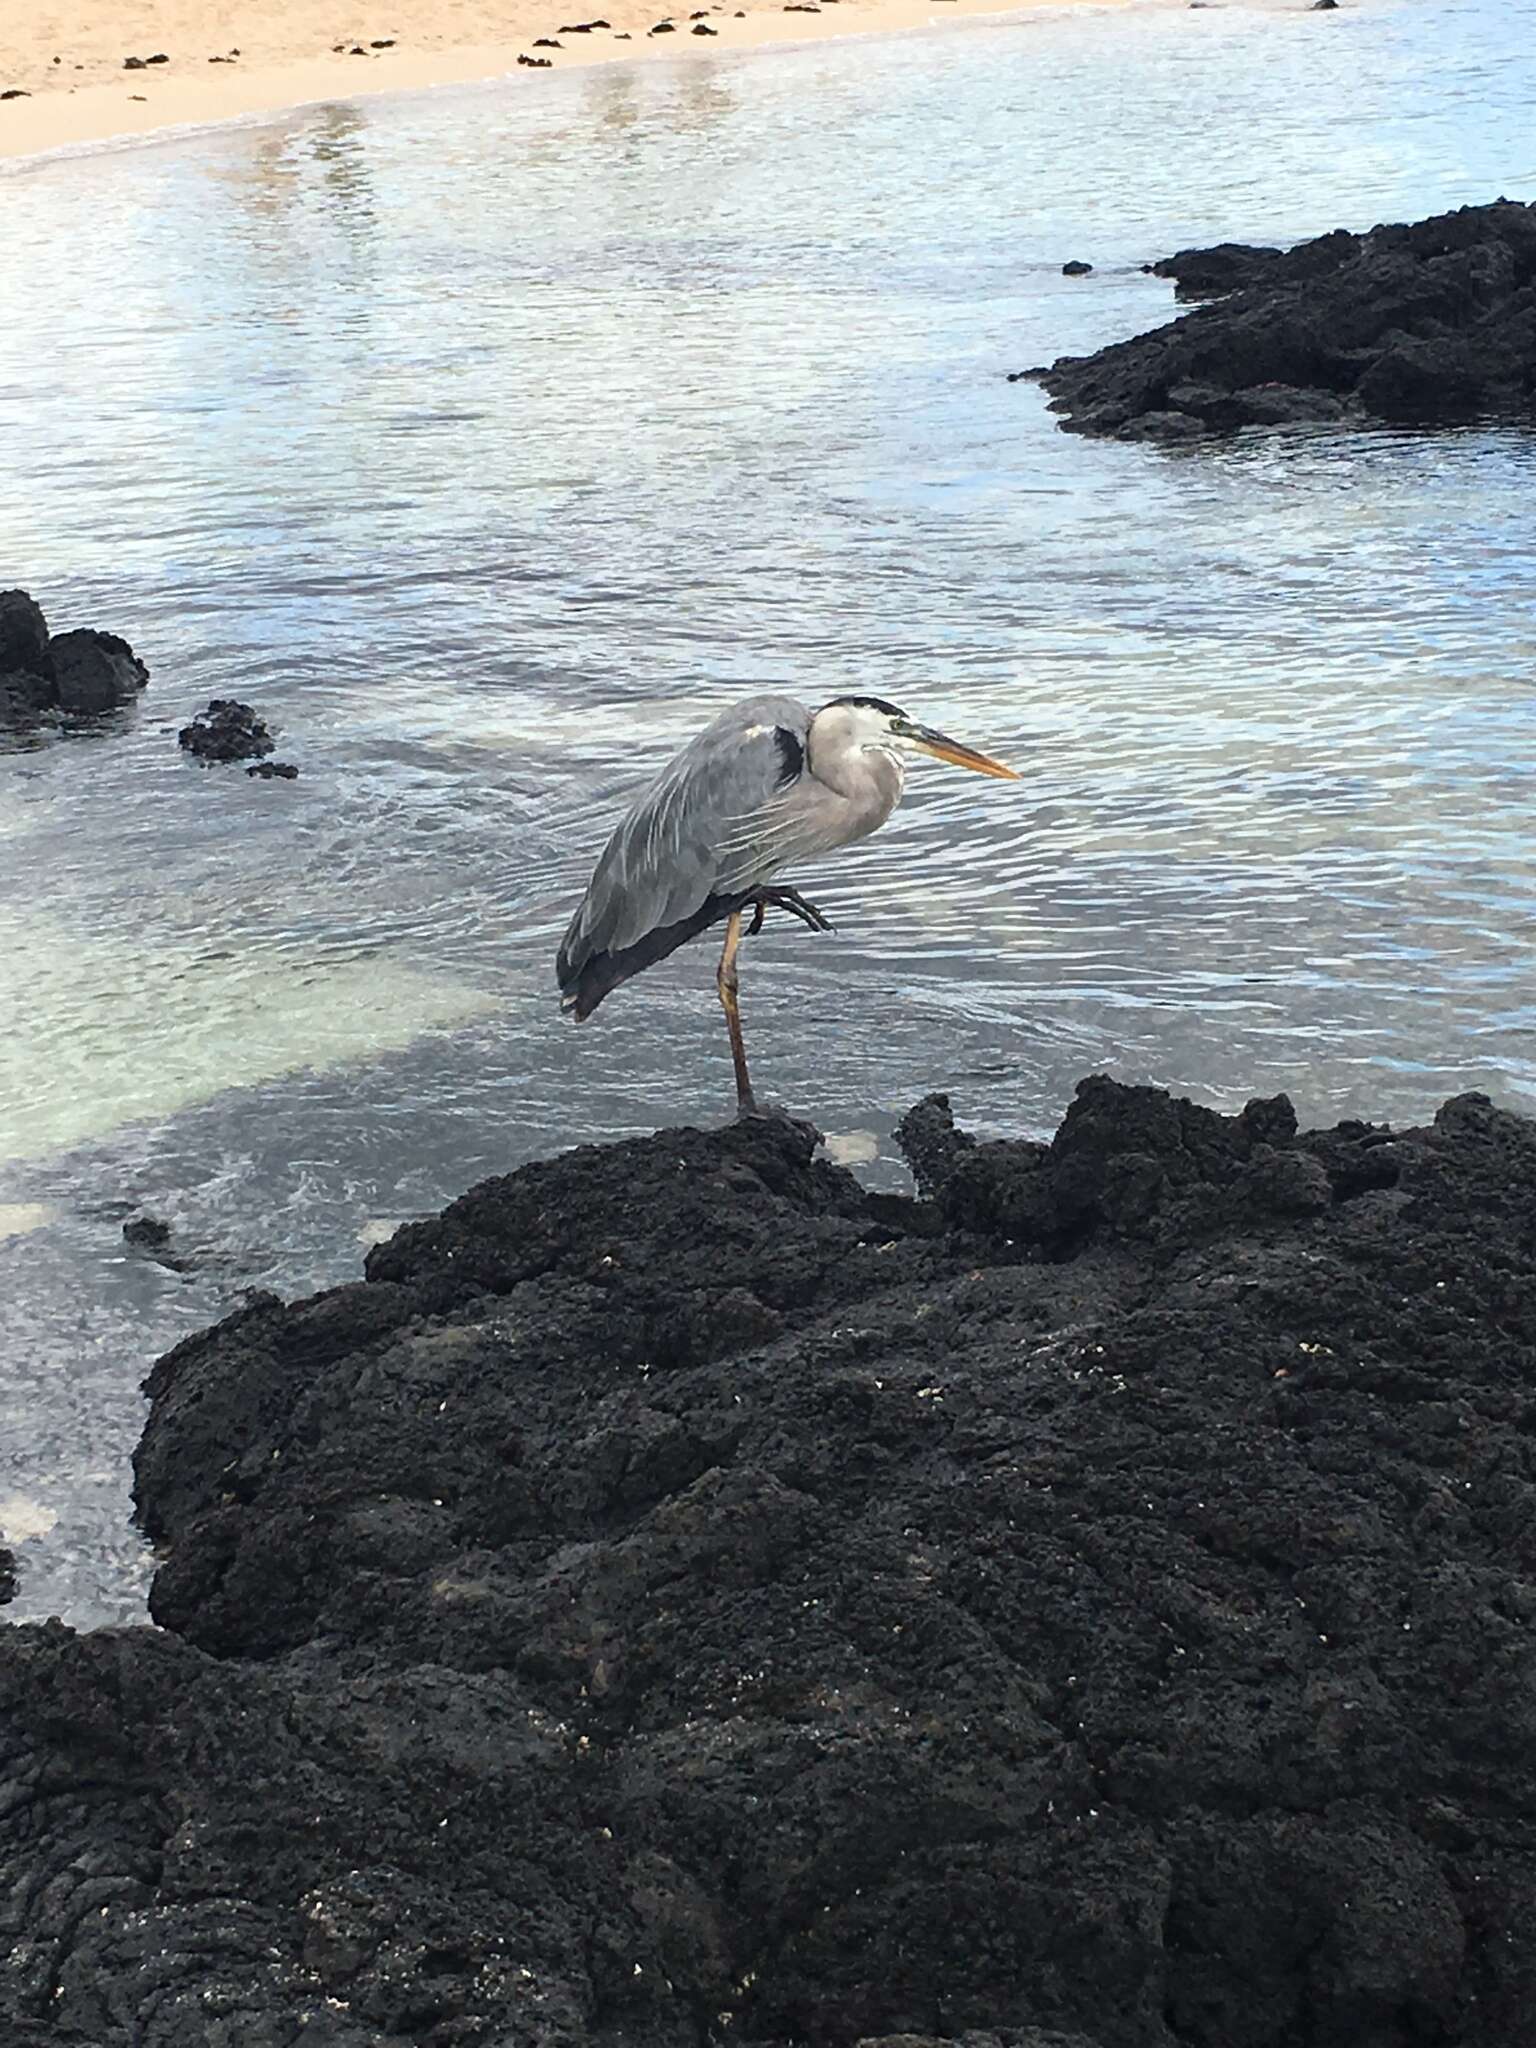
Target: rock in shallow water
[23,635]
[226,731]
[78,673]
[95,671]
[677,1583]
[1412,324]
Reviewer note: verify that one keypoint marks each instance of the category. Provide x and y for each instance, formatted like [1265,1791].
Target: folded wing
[715,824]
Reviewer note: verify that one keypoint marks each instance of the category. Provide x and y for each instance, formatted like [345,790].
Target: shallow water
[488,440]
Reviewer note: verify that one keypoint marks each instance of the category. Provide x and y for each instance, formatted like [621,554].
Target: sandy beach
[76,72]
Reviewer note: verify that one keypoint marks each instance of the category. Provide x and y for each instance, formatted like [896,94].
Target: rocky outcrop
[226,731]
[679,1595]
[1421,324]
[75,674]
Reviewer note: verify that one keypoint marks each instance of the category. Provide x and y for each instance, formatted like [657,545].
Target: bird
[767,784]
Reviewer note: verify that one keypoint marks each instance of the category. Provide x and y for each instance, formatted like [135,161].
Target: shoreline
[274,56]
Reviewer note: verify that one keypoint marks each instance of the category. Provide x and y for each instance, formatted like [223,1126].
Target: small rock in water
[273,770]
[1324,6]
[147,1233]
[662,28]
[702,28]
[151,1236]
[1075,268]
[536,63]
[226,731]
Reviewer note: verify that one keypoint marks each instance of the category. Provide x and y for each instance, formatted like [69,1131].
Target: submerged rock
[1418,324]
[679,1590]
[226,731]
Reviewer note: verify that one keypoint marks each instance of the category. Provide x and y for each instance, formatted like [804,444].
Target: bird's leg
[790,900]
[725,982]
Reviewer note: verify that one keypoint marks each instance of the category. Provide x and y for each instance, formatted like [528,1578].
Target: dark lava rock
[18,92]
[1434,322]
[133,63]
[1323,6]
[151,1236]
[24,697]
[1076,268]
[23,635]
[1208,273]
[94,671]
[680,1596]
[273,771]
[226,731]
[78,673]
[7,1577]
[702,28]
[147,1233]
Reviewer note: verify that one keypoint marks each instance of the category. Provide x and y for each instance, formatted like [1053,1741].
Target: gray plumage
[765,785]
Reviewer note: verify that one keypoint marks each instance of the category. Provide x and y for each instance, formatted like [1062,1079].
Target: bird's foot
[790,900]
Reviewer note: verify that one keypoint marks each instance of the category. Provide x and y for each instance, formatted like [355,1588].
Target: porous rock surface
[680,1597]
[1413,324]
[75,673]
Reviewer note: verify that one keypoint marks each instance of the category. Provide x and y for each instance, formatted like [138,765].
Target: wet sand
[222,62]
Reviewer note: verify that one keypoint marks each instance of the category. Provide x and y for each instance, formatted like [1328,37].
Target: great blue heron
[768,783]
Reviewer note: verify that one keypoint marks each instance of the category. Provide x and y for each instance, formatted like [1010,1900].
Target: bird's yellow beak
[943,748]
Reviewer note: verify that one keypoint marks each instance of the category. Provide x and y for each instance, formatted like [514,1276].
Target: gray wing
[717,820]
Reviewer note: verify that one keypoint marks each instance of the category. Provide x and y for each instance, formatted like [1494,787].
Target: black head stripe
[872,704]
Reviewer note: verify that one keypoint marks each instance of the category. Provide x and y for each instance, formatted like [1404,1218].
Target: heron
[768,783]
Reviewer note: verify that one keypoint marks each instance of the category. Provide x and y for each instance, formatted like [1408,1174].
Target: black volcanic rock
[679,1595]
[1208,273]
[78,673]
[23,635]
[1417,325]
[95,671]
[24,697]
[226,731]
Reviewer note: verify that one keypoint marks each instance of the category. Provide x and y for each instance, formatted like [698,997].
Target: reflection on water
[487,440]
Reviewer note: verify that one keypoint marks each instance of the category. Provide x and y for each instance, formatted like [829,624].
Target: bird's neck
[870,777]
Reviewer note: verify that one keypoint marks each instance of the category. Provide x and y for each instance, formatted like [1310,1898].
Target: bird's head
[872,725]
